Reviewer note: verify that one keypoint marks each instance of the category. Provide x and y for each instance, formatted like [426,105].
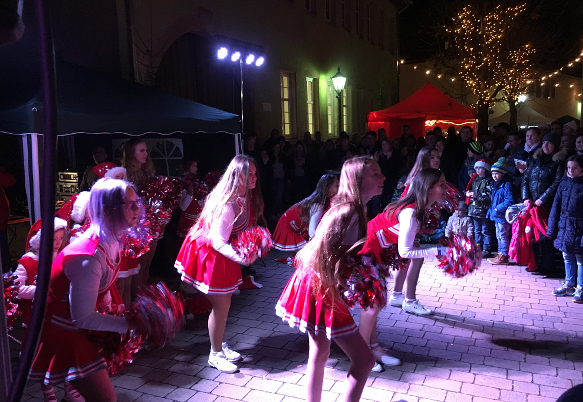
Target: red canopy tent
[424,110]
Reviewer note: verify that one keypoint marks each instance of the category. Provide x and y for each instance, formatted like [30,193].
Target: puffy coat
[566,217]
[543,176]
[479,205]
[502,198]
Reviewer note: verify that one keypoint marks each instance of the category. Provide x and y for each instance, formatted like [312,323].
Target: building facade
[172,45]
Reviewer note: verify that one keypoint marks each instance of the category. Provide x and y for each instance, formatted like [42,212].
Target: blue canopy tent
[91,103]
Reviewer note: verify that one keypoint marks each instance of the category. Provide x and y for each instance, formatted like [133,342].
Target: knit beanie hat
[553,139]
[571,124]
[476,147]
[499,166]
[483,163]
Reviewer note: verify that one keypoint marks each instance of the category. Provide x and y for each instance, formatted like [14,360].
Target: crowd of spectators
[529,164]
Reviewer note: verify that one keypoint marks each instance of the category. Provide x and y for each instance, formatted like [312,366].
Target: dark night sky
[559,23]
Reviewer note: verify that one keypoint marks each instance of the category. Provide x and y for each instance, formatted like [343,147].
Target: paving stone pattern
[497,335]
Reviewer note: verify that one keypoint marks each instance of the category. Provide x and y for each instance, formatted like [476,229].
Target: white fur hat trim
[35,240]
[80,207]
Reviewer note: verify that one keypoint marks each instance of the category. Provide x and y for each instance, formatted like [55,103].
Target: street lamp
[339,80]
[243,56]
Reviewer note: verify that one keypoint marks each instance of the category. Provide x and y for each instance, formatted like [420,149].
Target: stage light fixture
[259,61]
[250,58]
[235,56]
[222,53]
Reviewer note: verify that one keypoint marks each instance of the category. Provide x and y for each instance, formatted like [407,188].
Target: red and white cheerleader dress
[301,308]
[291,232]
[207,260]
[385,233]
[85,273]
[26,272]
[191,209]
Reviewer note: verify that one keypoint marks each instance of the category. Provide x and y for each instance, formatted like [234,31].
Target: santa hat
[75,207]
[115,171]
[34,234]
[101,169]
[483,163]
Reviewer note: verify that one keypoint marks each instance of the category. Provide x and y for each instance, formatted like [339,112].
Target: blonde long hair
[227,190]
[323,251]
[137,172]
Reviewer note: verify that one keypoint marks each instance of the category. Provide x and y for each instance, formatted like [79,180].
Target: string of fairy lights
[479,43]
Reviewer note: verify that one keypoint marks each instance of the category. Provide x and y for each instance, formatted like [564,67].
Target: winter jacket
[566,217]
[521,154]
[543,176]
[463,176]
[502,198]
[459,224]
[482,187]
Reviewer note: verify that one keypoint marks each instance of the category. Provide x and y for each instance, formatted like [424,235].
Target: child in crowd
[502,198]
[479,197]
[566,228]
[26,272]
[460,222]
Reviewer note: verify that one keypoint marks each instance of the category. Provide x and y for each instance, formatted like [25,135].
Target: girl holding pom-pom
[209,262]
[311,300]
[83,280]
[399,224]
[299,222]
[26,272]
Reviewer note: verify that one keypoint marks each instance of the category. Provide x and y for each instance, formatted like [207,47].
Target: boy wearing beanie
[479,197]
[502,198]
[475,151]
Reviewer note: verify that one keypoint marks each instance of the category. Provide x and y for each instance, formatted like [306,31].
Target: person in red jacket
[6,181]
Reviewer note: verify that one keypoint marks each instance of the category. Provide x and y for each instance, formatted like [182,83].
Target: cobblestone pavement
[497,335]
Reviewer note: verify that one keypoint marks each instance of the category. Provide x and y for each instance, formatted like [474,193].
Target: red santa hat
[484,163]
[75,207]
[34,234]
[101,169]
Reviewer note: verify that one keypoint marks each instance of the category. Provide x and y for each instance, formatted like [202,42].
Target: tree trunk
[483,114]
[513,114]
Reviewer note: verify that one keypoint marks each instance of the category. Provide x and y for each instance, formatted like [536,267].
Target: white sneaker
[381,356]
[396,301]
[415,307]
[377,368]
[220,362]
[230,354]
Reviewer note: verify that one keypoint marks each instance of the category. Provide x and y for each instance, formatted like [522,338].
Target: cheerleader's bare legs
[411,276]
[218,319]
[361,359]
[367,328]
[96,387]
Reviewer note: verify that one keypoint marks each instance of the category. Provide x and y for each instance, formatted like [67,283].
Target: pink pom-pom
[11,299]
[255,240]
[462,258]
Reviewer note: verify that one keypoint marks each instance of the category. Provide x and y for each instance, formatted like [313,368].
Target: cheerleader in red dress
[25,273]
[395,229]
[298,224]
[311,299]
[83,280]
[208,261]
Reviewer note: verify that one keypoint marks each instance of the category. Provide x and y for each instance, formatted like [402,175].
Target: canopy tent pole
[31,175]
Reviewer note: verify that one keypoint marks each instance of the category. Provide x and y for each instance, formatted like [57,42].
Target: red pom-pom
[10,299]
[157,313]
[366,284]
[462,258]
[212,179]
[136,240]
[392,260]
[162,195]
[255,240]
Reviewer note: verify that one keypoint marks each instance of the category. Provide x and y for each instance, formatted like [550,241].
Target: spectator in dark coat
[502,198]
[480,196]
[566,228]
[539,186]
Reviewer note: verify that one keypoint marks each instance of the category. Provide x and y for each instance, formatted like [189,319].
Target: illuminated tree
[488,50]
